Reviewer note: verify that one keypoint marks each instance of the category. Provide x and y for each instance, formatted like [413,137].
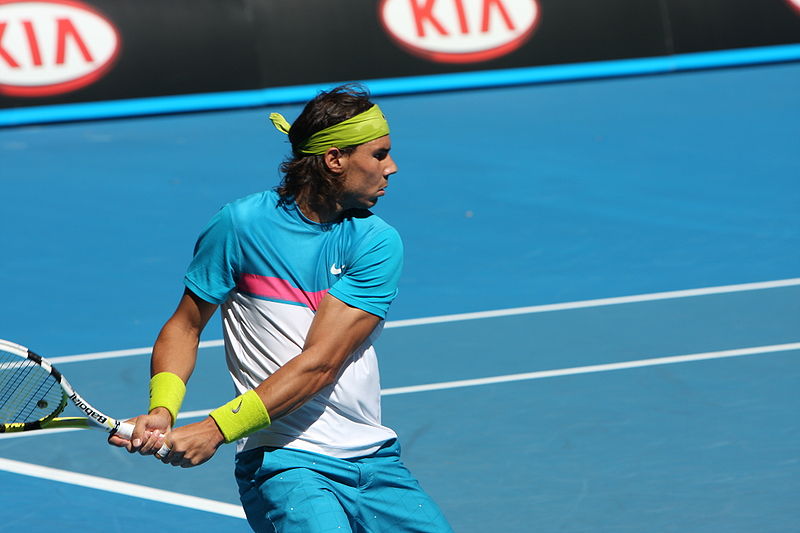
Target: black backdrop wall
[200,46]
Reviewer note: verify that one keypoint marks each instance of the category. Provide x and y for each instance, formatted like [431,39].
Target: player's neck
[321,214]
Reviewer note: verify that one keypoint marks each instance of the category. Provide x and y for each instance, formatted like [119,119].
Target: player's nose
[391,166]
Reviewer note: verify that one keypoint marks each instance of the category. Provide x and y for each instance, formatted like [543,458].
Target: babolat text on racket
[33,393]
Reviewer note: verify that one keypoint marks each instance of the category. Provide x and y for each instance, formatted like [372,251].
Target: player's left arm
[175,351]
[337,330]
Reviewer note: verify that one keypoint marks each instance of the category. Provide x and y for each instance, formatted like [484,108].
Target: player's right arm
[175,351]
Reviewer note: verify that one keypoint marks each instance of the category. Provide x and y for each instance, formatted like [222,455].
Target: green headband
[362,128]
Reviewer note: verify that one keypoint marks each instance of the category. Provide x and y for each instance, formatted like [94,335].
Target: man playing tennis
[304,276]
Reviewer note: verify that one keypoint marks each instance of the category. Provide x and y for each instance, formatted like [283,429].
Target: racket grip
[125,430]
[163,451]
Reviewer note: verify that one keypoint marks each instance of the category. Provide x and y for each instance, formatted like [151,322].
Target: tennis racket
[33,393]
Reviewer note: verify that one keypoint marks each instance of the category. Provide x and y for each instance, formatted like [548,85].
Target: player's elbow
[321,371]
[325,376]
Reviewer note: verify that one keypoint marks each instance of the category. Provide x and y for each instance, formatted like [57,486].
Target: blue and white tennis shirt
[269,267]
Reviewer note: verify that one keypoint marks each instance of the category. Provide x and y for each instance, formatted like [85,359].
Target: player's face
[366,173]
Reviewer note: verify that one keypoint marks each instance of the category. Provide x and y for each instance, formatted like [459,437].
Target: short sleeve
[370,281]
[212,273]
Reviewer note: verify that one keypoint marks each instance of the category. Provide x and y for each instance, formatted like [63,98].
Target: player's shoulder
[254,202]
[370,230]
[365,221]
[252,207]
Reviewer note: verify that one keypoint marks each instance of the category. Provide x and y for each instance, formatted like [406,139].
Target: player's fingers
[174,458]
[116,440]
[122,443]
[159,444]
[119,442]
[150,442]
[194,461]
[164,451]
[138,437]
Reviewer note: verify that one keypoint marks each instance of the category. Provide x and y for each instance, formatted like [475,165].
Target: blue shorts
[294,491]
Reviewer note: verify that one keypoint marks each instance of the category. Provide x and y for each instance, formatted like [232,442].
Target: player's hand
[148,434]
[192,445]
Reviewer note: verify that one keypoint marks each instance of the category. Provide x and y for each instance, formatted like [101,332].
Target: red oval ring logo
[459,31]
[50,47]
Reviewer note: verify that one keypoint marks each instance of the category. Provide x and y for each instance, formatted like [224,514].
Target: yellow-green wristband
[241,416]
[167,390]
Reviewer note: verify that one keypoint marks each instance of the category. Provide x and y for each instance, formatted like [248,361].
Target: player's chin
[366,203]
[362,203]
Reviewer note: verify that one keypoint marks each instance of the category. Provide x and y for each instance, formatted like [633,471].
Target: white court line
[688,293]
[492,314]
[593,368]
[121,487]
[590,369]
[119,353]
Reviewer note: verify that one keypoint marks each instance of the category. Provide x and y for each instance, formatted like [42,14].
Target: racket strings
[27,391]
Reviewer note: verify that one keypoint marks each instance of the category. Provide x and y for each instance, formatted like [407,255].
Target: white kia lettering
[459,31]
[54,46]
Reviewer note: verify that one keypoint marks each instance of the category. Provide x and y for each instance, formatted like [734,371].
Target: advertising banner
[58,51]
[67,51]
[395,38]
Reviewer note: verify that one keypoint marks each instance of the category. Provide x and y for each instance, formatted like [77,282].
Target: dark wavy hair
[306,178]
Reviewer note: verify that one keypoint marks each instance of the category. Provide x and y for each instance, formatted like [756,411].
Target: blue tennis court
[597,328]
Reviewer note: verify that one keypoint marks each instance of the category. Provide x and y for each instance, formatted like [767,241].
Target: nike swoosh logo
[336,271]
[234,411]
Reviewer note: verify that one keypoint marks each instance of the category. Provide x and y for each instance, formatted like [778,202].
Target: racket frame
[94,418]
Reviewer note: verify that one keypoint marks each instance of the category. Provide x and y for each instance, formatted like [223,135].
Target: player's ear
[335,160]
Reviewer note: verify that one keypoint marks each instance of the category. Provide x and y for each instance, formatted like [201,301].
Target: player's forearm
[175,350]
[297,382]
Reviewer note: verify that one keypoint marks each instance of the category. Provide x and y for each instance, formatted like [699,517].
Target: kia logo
[459,31]
[50,47]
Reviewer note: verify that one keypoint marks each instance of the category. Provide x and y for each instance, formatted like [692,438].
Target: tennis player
[304,276]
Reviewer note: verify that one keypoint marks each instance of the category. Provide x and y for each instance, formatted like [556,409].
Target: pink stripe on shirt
[279,289]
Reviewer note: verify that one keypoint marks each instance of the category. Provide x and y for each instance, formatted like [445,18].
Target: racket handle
[163,451]
[125,430]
